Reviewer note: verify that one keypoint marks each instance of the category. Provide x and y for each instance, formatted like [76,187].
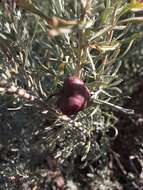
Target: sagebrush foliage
[39,47]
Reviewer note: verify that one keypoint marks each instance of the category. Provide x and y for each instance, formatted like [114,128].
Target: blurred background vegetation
[100,147]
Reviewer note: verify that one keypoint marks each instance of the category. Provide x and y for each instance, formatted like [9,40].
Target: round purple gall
[74,96]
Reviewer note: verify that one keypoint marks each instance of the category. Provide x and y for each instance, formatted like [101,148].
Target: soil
[128,146]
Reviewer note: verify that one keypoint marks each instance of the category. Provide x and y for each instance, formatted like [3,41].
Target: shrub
[42,45]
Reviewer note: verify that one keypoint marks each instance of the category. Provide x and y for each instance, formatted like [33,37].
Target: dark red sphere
[74,96]
[74,85]
[70,105]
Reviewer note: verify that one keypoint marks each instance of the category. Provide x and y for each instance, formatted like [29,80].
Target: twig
[5,86]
